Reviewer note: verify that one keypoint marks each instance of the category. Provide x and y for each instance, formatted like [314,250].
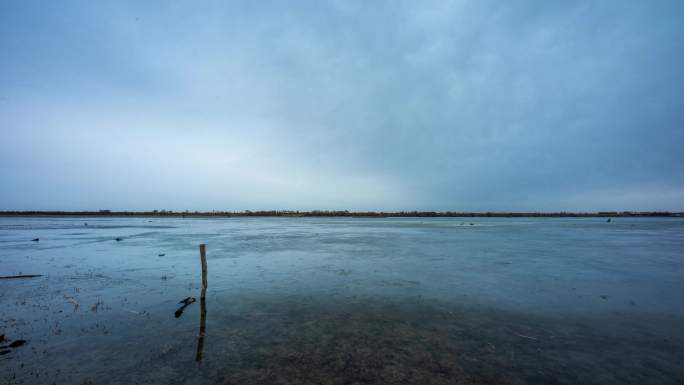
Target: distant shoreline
[340,214]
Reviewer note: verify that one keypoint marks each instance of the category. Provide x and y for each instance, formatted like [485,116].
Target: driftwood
[187,301]
[21,276]
[72,300]
[14,344]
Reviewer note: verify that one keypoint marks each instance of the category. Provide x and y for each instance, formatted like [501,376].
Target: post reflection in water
[203,304]
[203,326]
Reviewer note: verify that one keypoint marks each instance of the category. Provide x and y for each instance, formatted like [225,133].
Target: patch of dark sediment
[307,340]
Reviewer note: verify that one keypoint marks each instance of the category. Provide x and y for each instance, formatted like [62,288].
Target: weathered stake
[203,257]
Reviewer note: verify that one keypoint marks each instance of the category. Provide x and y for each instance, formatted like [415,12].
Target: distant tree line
[340,213]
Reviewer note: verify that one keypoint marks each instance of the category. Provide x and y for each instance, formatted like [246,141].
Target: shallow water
[344,301]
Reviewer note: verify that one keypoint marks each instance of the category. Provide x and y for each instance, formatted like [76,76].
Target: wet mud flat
[376,341]
[342,301]
[315,340]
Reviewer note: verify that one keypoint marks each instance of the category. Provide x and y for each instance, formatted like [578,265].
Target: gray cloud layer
[361,105]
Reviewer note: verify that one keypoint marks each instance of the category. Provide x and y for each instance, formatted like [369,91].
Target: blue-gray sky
[444,105]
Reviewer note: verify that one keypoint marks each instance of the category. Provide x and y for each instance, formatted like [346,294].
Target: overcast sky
[463,105]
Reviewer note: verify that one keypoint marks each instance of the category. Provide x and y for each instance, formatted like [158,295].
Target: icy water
[343,301]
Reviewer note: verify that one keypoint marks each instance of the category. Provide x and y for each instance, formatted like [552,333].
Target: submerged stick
[21,276]
[528,337]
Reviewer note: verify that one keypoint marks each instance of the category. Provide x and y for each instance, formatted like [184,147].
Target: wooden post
[203,305]
[203,257]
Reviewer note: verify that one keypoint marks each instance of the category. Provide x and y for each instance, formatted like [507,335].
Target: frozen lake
[344,301]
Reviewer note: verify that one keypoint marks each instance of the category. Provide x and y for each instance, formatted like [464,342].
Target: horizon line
[337,213]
